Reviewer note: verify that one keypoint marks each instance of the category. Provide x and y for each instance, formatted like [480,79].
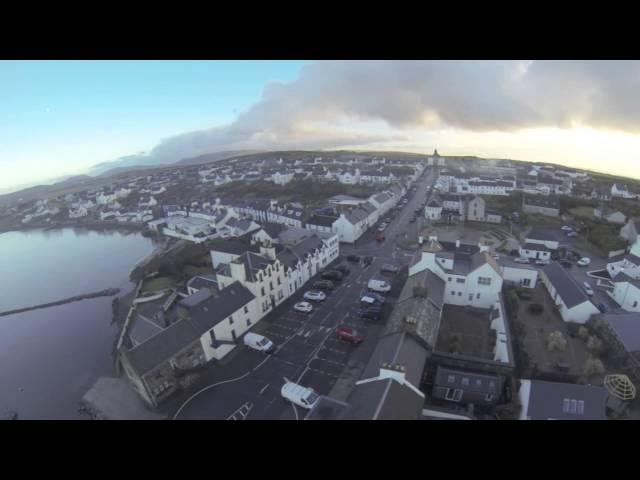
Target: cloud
[476,96]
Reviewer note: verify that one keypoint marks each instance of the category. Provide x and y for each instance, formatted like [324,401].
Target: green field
[583,212]
[158,283]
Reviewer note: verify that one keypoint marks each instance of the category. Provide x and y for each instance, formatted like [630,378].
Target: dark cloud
[470,95]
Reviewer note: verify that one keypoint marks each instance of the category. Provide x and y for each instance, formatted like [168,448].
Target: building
[518,274]
[621,331]
[477,211]
[200,282]
[464,387]
[536,251]
[539,204]
[471,276]
[626,292]
[630,230]
[609,215]
[542,237]
[621,191]
[570,299]
[542,400]
[205,326]
[433,210]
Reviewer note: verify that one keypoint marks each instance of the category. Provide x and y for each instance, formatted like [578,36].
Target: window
[451,379]
[526,282]
[278,280]
[459,280]
[233,335]
[635,304]
[484,281]
[246,309]
[262,291]
[477,296]
[470,296]
[459,294]
[453,394]
[248,322]
[271,285]
[449,279]
[453,293]
[465,381]
[488,397]
[230,319]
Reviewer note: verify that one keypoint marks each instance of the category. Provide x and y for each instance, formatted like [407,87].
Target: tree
[583,332]
[556,342]
[594,344]
[536,308]
[593,366]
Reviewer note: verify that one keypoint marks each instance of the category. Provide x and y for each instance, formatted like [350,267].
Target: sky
[59,118]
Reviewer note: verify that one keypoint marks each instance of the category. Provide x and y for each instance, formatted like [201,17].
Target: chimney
[237,270]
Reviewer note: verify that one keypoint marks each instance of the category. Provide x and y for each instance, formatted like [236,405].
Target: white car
[541,261]
[572,234]
[378,286]
[566,228]
[583,262]
[521,260]
[299,395]
[258,342]
[587,288]
[316,295]
[304,307]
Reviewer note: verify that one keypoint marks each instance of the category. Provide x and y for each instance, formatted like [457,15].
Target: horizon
[63,118]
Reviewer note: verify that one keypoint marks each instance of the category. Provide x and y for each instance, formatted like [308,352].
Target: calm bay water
[50,357]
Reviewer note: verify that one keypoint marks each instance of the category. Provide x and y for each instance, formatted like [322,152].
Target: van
[299,395]
[378,285]
[258,342]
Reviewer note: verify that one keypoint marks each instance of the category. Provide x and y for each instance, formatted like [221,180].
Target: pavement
[246,384]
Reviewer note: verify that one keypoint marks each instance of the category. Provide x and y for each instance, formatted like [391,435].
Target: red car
[380,237]
[349,334]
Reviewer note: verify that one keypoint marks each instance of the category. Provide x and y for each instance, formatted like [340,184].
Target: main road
[246,384]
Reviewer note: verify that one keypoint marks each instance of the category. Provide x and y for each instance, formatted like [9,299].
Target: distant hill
[215,156]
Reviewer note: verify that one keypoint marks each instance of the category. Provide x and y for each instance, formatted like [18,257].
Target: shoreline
[94,225]
[109,292]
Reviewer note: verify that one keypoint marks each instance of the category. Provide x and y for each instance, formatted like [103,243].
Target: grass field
[158,283]
[583,212]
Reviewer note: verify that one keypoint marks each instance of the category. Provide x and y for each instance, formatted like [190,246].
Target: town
[367,285]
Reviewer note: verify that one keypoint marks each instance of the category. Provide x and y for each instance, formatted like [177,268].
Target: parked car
[380,237]
[566,264]
[368,300]
[349,334]
[521,260]
[380,298]
[388,268]
[370,314]
[566,228]
[387,220]
[378,286]
[541,261]
[333,275]
[258,342]
[343,269]
[587,288]
[367,260]
[315,295]
[572,234]
[584,261]
[353,258]
[324,285]
[382,228]
[304,307]
[602,307]
[299,395]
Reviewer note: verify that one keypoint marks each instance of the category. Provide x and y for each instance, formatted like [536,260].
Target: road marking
[308,334]
[263,389]
[242,412]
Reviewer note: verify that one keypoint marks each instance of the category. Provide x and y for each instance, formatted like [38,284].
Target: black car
[332,275]
[353,258]
[324,285]
[370,314]
[343,270]
[368,261]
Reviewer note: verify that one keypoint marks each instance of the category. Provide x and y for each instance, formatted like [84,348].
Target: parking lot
[246,384]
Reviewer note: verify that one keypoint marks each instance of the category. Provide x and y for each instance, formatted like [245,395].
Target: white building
[535,251]
[570,299]
[282,178]
[621,191]
[626,292]
[542,237]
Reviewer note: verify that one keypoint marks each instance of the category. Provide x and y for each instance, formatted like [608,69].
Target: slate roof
[322,220]
[624,277]
[203,281]
[566,287]
[539,247]
[539,234]
[384,400]
[435,288]
[561,401]
[475,382]
[626,328]
[253,263]
[542,201]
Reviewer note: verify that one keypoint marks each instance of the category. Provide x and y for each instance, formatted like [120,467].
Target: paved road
[247,384]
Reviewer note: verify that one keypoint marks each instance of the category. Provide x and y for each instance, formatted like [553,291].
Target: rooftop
[626,328]
[566,287]
[565,401]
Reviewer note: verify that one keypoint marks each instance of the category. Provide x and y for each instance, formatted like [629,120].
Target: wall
[627,296]
[537,254]
[518,275]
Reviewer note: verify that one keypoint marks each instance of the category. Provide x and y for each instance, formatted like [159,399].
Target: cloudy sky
[60,118]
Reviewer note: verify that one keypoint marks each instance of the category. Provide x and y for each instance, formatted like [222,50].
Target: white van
[299,395]
[258,342]
[378,286]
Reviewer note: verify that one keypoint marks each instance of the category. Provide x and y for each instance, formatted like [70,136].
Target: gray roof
[218,306]
[540,234]
[203,281]
[626,328]
[623,277]
[632,258]
[253,263]
[469,381]
[561,401]
[322,220]
[143,329]
[435,288]
[385,400]
[568,290]
[539,247]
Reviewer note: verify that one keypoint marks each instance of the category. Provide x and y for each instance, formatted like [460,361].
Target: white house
[542,237]
[282,178]
[535,251]
[621,191]
[352,225]
[608,215]
[78,212]
[518,274]
[263,274]
[471,276]
[629,264]
[570,299]
[433,210]
[626,292]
